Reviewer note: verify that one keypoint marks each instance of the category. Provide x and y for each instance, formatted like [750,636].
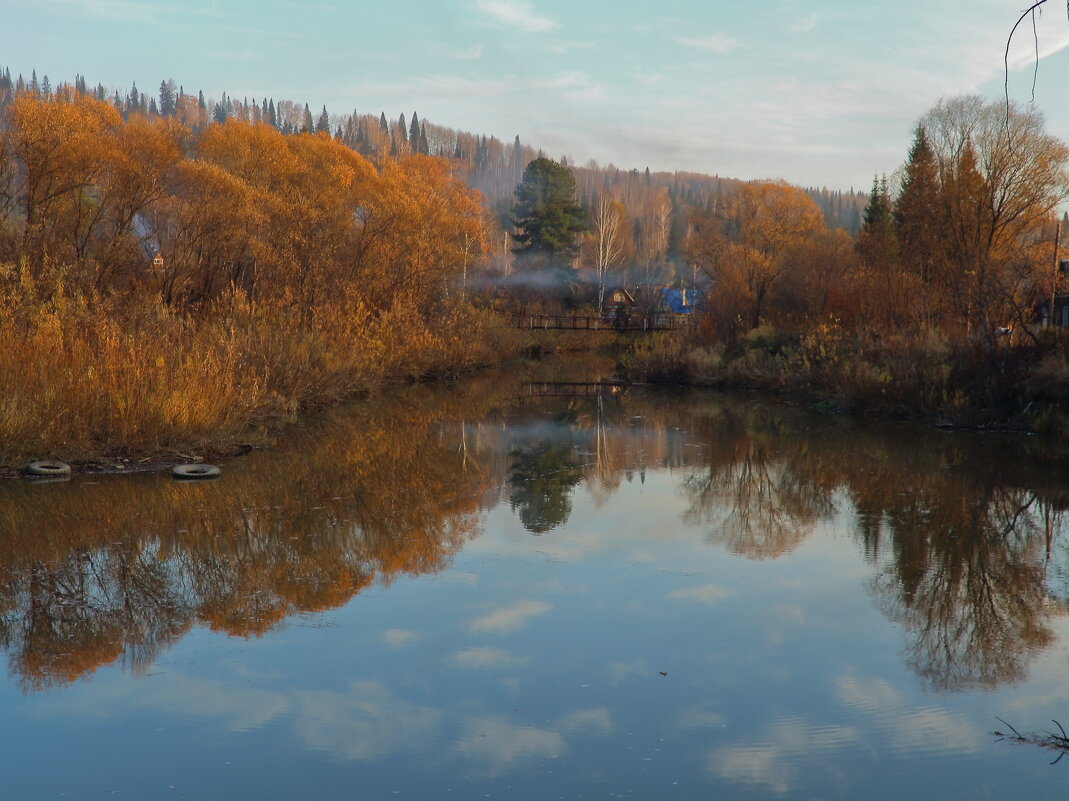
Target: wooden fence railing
[565,322]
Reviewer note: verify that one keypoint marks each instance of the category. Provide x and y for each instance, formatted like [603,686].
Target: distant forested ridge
[657,205]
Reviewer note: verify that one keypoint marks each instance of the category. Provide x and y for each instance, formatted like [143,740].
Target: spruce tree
[918,210]
[877,216]
[877,241]
[167,98]
[516,160]
[323,124]
[546,215]
[413,133]
[221,112]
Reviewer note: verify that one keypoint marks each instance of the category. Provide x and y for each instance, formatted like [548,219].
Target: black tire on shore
[193,472]
[50,468]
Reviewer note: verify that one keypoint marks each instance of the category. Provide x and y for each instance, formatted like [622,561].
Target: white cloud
[597,720]
[773,760]
[714,43]
[1023,48]
[804,25]
[875,696]
[933,730]
[755,764]
[652,79]
[618,671]
[237,708]
[366,723]
[395,638]
[496,745]
[699,718]
[509,618]
[114,10]
[927,729]
[135,11]
[471,54]
[517,14]
[477,658]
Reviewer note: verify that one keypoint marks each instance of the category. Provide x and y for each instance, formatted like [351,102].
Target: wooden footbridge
[638,323]
[573,389]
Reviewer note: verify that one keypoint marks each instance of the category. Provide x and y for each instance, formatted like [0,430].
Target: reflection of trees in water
[62,620]
[397,487]
[966,578]
[368,496]
[543,475]
[960,529]
[597,441]
[759,495]
[960,548]
[548,460]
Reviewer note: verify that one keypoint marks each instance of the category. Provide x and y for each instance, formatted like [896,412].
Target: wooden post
[1054,278]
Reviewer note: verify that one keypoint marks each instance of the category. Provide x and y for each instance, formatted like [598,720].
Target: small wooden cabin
[618,303]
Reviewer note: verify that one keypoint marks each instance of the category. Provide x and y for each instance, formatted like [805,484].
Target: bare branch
[1029,12]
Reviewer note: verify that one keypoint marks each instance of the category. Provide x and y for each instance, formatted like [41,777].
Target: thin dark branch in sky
[1029,12]
[1035,68]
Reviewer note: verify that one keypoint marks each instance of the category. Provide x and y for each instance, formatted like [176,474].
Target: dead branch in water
[1049,740]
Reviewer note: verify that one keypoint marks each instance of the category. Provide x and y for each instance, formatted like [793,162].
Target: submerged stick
[1048,740]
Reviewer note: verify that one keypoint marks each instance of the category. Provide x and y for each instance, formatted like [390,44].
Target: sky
[816,92]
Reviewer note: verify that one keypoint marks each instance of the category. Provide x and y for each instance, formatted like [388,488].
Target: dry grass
[82,378]
[917,374]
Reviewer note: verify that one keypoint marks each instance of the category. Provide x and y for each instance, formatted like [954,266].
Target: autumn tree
[658,227]
[608,224]
[61,150]
[1002,178]
[749,249]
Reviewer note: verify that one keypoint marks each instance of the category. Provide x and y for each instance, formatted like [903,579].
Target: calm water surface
[496,591]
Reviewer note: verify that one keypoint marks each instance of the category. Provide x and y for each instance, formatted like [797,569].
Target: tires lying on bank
[194,472]
[48,468]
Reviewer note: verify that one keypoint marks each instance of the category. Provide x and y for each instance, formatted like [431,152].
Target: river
[517,589]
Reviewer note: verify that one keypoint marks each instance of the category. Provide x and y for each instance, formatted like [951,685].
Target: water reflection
[960,549]
[114,569]
[764,486]
[120,566]
[544,470]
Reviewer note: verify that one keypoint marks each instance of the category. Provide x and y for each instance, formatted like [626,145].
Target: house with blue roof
[678,301]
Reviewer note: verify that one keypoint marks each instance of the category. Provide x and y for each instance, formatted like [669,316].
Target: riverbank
[1013,387]
[87,379]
